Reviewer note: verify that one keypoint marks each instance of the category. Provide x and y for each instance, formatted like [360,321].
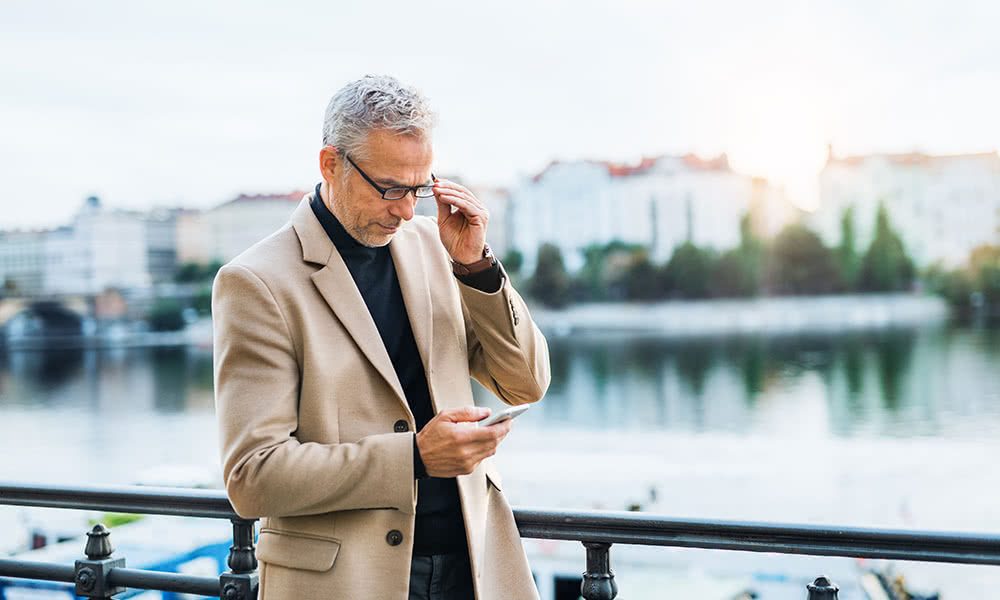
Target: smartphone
[503,415]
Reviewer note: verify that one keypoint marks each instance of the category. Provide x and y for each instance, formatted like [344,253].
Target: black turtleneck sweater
[439,525]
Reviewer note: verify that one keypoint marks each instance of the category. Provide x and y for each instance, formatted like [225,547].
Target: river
[895,428]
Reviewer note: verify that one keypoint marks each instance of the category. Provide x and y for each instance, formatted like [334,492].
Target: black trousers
[441,577]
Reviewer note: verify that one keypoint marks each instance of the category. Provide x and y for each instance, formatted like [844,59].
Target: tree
[847,255]
[688,272]
[202,301]
[953,285]
[550,283]
[641,281]
[188,272]
[737,273]
[166,315]
[513,262]
[799,263]
[885,266]
[605,270]
[984,270]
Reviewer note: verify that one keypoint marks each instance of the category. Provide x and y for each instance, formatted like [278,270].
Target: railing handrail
[587,526]
[135,499]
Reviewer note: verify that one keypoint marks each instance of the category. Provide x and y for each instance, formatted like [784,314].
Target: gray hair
[370,103]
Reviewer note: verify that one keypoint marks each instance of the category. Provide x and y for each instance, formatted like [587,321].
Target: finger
[463,205]
[460,190]
[444,211]
[465,414]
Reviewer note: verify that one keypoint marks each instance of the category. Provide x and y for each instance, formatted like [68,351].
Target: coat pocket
[297,550]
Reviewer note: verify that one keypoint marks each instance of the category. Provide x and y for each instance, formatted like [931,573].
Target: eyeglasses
[396,193]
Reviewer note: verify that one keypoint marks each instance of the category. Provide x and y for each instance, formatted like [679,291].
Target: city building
[22,260]
[658,203]
[221,233]
[161,244]
[942,206]
[102,248]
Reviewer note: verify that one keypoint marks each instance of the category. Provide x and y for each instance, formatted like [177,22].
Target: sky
[188,103]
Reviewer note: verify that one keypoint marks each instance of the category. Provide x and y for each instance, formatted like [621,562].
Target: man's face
[392,160]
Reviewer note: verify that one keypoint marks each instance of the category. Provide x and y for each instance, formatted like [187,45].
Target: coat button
[401,426]
[394,537]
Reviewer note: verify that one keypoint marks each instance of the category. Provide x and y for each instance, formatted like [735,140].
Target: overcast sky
[190,103]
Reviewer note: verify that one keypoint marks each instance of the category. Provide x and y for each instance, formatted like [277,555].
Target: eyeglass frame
[383,191]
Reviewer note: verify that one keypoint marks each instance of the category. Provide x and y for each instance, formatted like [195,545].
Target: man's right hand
[451,444]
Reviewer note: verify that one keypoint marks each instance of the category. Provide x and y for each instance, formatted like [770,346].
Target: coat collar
[335,284]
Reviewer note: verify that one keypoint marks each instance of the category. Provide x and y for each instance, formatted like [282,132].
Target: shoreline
[783,315]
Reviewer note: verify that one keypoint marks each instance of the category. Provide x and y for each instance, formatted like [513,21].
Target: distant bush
[550,284]
[885,267]
[166,315]
[799,263]
[192,272]
[688,273]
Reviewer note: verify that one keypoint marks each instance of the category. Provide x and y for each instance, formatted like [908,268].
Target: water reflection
[932,382]
[160,380]
[894,383]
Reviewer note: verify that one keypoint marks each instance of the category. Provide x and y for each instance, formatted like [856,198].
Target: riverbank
[773,316]
[197,334]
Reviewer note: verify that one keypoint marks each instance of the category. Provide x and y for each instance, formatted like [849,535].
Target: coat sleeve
[507,352]
[267,471]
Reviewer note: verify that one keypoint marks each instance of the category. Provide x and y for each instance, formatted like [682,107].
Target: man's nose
[404,207]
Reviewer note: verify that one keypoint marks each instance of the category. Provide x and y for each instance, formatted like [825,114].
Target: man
[344,333]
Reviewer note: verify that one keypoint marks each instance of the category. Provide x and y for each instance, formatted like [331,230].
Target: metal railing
[101,575]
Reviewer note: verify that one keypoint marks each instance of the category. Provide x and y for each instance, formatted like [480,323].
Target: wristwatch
[488,260]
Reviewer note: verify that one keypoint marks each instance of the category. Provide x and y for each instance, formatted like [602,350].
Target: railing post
[91,577]
[822,589]
[240,581]
[599,580]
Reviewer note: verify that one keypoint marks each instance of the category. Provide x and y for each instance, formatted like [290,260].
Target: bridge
[46,315]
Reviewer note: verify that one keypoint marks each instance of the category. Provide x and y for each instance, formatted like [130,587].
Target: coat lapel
[335,284]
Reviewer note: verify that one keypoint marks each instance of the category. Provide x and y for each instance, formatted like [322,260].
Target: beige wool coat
[307,400]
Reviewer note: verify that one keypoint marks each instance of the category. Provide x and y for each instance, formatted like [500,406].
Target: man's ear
[330,163]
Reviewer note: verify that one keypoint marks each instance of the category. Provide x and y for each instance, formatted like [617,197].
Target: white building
[942,206]
[22,260]
[659,203]
[102,248]
[223,232]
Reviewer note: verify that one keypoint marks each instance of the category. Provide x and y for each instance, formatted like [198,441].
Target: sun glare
[781,134]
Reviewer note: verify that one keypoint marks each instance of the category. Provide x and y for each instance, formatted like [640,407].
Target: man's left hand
[462,232]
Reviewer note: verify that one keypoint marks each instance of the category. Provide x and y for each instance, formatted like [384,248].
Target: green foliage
[188,272]
[641,280]
[166,315]
[513,262]
[191,272]
[550,284]
[605,271]
[202,301]
[955,285]
[112,520]
[799,263]
[885,266]
[736,274]
[847,254]
[984,270]
[688,272]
